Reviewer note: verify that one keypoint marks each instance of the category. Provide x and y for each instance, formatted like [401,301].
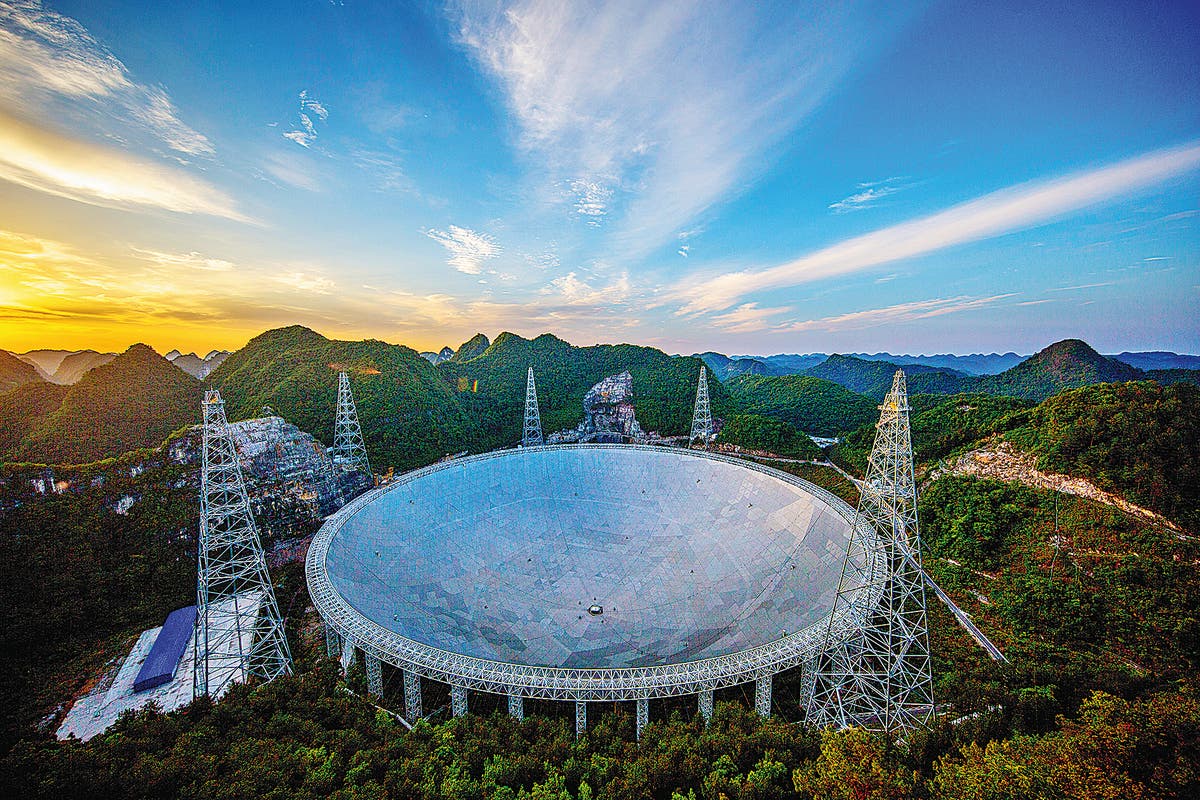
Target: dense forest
[813,405]
[873,378]
[1141,439]
[755,432]
[134,401]
[75,573]
[940,426]
[409,416]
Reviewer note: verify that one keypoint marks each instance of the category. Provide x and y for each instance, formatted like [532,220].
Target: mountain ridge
[134,401]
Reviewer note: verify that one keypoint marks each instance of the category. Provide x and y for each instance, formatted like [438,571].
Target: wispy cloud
[685,245]
[748,318]
[305,133]
[577,292]
[547,259]
[468,249]
[192,260]
[591,200]
[868,194]
[42,159]
[48,59]
[1081,286]
[1016,208]
[675,103]
[890,315]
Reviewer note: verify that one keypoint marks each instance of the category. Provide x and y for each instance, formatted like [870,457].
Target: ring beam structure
[480,572]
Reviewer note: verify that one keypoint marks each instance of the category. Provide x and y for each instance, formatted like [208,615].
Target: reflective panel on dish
[585,558]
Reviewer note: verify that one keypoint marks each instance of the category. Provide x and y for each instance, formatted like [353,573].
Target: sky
[741,177]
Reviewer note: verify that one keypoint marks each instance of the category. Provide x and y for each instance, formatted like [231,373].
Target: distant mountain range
[133,401]
[445,354]
[1068,364]
[725,367]
[415,408]
[64,367]
[196,366]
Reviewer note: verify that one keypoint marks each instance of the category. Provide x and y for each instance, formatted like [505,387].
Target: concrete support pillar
[516,706]
[458,700]
[412,695]
[643,716]
[349,653]
[374,675]
[762,695]
[333,642]
[706,705]
[580,718]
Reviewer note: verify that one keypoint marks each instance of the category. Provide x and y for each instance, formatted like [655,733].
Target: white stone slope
[1001,460]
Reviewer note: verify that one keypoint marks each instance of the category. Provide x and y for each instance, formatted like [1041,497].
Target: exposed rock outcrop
[608,408]
[1002,461]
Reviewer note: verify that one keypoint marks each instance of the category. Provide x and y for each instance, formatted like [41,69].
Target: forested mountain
[974,364]
[22,407]
[756,432]
[939,426]
[1139,439]
[790,363]
[46,361]
[14,371]
[813,405]
[492,385]
[196,366]
[723,367]
[475,346]
[872,378]
[409,415]
[132,402]
[1063,365]
[76,365]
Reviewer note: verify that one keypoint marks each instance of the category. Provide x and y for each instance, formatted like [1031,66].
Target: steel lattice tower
[702,424]
[531,433]
[239,630]
[348,448]
[876,674]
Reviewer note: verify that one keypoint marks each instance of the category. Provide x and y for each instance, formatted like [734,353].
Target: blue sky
[952,177]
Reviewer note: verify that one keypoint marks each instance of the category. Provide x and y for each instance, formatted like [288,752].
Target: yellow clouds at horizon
[38,158]
[53,295]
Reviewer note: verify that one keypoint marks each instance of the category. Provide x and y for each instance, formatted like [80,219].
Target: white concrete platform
[96,712]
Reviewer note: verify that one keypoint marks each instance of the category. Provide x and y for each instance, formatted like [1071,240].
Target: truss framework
[553,683]
[239,630]
[348,448]
[702,424]
[879,676]
[531,433]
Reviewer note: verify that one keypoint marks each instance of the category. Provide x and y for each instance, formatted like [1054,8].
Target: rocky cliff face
[608,408]
[290,480]
[288,473]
